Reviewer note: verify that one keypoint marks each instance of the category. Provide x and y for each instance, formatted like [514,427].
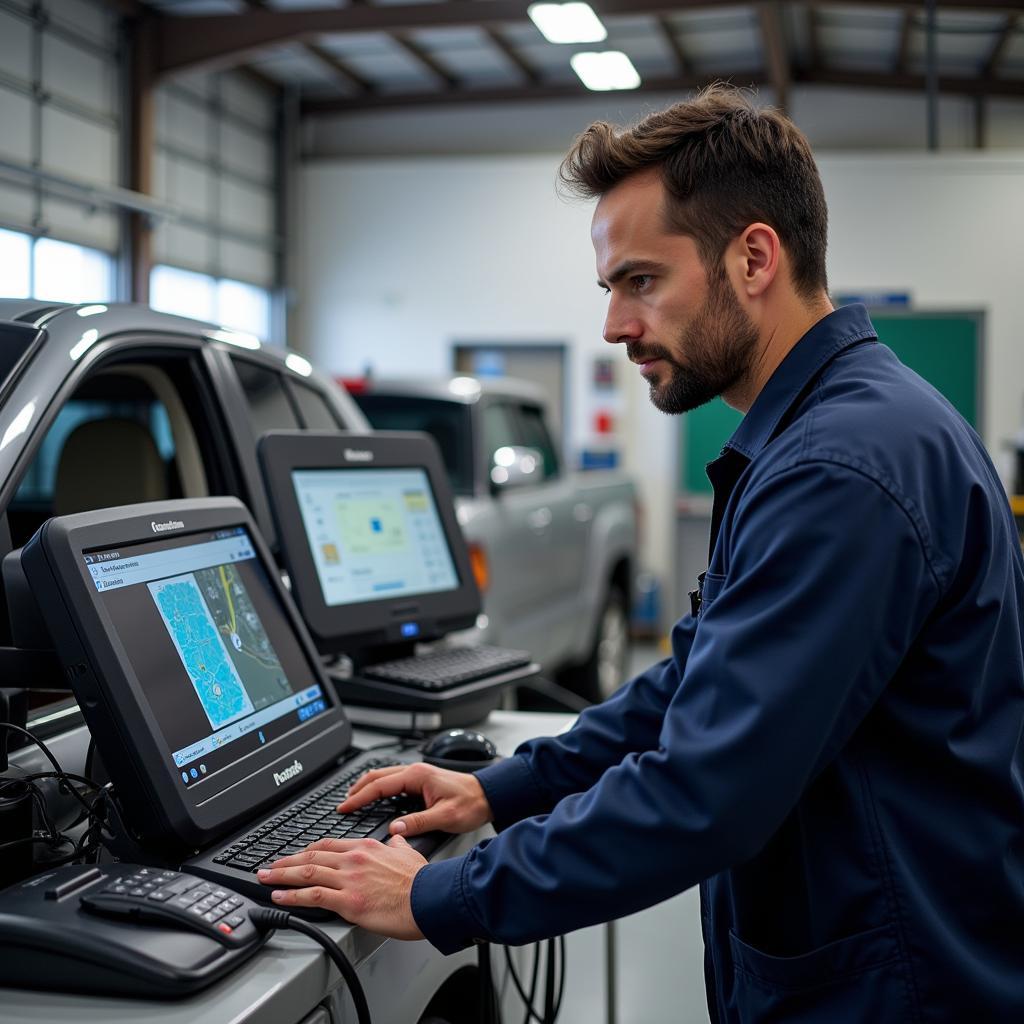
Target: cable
[91,809]
[267,918]
[59,772]
[549,983]
[553,993]
[487,1012]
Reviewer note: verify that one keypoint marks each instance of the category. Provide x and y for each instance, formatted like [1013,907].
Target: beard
[720,342]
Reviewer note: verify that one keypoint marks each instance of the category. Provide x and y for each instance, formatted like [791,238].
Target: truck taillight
[478,560]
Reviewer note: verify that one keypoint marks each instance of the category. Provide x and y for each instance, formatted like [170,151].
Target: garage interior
[372,185]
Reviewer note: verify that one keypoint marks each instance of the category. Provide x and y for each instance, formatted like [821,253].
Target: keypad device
[175,898]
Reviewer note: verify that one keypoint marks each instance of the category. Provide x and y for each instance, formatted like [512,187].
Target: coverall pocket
[850,981]
[713,583]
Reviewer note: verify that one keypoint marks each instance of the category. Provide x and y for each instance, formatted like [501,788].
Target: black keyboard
[439,670]
[314,817]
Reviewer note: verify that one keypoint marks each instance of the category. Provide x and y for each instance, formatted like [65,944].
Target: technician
[833,751]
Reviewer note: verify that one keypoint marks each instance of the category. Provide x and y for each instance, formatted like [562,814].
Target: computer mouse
[460,750]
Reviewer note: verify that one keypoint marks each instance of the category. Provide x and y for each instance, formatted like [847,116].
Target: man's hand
[368,883]
[455,801]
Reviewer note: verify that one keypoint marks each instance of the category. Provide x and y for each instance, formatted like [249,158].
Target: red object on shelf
[604,423]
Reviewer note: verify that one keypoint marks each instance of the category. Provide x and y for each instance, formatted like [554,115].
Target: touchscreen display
[210,644]
[374,534]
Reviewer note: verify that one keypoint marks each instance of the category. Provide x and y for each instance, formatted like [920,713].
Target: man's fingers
[372,776]
[334,845]
[417,823]
[389,785]
[301,875]
[313,896]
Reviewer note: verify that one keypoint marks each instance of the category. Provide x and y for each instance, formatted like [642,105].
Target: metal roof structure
[362,55]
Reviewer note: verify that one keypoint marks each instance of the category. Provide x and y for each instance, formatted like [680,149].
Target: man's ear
[758,254]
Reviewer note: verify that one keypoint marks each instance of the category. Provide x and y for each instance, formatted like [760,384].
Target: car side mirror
[515,466]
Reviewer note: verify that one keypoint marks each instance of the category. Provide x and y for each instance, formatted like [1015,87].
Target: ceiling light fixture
[605,71]
[567,23]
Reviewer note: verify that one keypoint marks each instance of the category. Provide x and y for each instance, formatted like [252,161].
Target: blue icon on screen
[263,739]
[377,526]
[194,773]
[184,777]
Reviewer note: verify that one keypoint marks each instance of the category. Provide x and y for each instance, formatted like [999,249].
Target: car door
[570,514]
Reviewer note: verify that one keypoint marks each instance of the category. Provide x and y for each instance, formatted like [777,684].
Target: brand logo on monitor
[358,455]
[289,773]
[171,524]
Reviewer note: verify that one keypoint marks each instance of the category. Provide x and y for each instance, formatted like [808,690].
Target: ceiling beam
[961,85]
[526,69]
[261,78]
[672,42]
[341,71]
[817,50]
[569,90]
[344,74]
[223,40]
[956,85]
[999,49]
[776,59]
[424,58]
[903,50]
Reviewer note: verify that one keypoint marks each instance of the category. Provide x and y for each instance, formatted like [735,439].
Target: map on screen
[221,642]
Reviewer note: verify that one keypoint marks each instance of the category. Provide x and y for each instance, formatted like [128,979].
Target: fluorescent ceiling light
[604,71]
[567,23]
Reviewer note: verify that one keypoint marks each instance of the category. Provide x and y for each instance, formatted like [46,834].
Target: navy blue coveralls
[834,748]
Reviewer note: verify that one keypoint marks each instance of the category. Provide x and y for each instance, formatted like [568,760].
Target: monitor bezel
[355,628]
[113,702]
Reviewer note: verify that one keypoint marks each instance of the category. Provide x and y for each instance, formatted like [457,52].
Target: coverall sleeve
[811,622]
[543,771]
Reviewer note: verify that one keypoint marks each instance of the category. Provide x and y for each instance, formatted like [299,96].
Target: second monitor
[368,532]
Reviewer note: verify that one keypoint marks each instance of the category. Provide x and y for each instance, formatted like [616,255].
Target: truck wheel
[605,669]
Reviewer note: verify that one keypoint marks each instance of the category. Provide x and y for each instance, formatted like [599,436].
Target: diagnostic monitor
[368,532]
[189,661]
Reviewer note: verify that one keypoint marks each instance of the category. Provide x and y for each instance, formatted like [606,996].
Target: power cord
[269,918]
[92,809]
[553,993]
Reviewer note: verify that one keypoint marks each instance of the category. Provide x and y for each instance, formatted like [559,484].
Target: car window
[447,422]
[534,433]
[112,416]
[314,408]
[269,405]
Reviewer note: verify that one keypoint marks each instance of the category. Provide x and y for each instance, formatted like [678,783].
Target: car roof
[66,324]
[456,388]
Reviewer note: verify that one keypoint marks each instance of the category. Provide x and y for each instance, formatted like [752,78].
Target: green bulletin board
[944,348]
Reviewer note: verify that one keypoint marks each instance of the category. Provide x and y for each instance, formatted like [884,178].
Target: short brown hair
[726,163]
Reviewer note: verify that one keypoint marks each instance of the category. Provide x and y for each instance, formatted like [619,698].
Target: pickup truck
[554,552]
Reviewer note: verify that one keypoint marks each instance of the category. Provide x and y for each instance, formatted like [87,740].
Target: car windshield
[446,422]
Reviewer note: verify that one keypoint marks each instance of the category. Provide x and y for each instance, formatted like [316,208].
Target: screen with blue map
[219,661]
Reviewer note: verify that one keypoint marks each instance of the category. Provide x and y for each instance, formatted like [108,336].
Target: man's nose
[620,325]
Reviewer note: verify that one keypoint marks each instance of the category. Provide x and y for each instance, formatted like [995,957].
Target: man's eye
[640,282]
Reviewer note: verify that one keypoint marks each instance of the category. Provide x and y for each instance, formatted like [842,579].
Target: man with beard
[833,751]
